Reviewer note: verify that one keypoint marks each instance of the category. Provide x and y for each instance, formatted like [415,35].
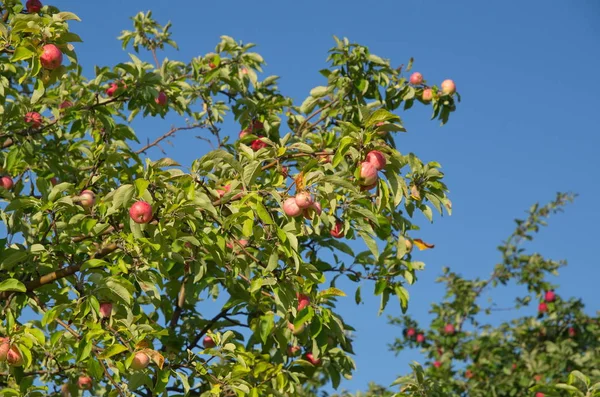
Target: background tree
[467,354]
[108,256]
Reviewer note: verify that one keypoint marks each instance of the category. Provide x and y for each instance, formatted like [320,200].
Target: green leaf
[92,263]
[331,292]
[38,91]
[380,115]
[263,214]
[22,53]
[123,196]
[319,91]
[12,285]
[112,351]
[265,326]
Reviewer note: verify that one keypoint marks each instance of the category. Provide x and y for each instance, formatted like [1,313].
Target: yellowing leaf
[422,245]
[155,356]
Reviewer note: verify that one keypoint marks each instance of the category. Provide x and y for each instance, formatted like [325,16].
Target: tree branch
[205,329]
[172,131]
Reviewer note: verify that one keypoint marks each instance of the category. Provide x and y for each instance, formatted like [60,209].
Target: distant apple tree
[108,257]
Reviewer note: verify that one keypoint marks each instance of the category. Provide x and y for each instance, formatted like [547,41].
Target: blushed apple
[140,361]
[542,307]
[87,199]
[161,99]
[448,87]
[14,358]
[411,332]
[416,78]
[420,338]
[550,296]
[141,212]
[257,144]
[51,57]
[303,301]
[437,364]
[6,182]
[312,359]
[65,105]
[291,208]
[4,347]
[293,350]
[368,174]
[376,158]
[34,119]
[33,6]
[112,88]
[338,229]
[449,329]
[303,200]
[84,382]
[427,95]
[314,208]
[105,309]
[208,342]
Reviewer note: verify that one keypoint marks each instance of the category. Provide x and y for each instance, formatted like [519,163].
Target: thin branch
[172,131]
[109,376]
[205,329]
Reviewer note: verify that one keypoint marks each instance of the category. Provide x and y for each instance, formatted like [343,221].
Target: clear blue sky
[526,128]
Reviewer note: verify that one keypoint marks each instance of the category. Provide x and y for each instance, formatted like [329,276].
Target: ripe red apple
[411,332]
[33,6]
[550,296]
[514,366]
[211,65]
[338,229]
[437,364]
[112,88]
[538,378]
[427,95]
[87,199]
[448,87]
[84,382]
[416,78]
[208,342]
[376,158]
[141,212]
[54,181]
[6,182]
[420,338]
[224,191]
[312,359]
[303,200]
[293,350]
[468,374]
[303,301]
[105,309]
[65,105]
[539,394]
[449,329]
[161,99]
[34,119]
[308,212]
[241,242]
[257,144]
[542,307]
[51,57]
[572,332]
[4,347]
[14,357]
[140,361]
[291,208]
[368,174]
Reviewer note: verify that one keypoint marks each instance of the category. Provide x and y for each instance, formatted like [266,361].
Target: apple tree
[109,259]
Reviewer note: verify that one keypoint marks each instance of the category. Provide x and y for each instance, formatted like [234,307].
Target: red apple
[291,208]
[468,374]
[293,350]
[33,6]
[161,99]
[4,347]
[87,199]
[208,342]
[84,382]
[224,191]
[141,212]
[140,361]
[542,307]
[437,364]
[303,200]
[572,332]
[416,78]
[65,105]
[514,366]
[420,338]
[6,182]
[51,57]
[112,88]
[550,296]
[538,378]
[539,394]
[338,229]
[308,212]
[105,309]
[448,87]
[211,65]
[368,174]
[303,301]
[312,359]
[411,332]
[427,95]
[449,329]
[376,158]
[257,144]
[54,181]
[14,357]
[34,119]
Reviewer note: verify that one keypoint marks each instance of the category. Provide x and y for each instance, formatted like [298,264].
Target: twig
[109,376]
[172,131]
[205,329]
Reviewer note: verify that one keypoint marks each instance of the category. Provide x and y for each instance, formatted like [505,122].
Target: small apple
[208,342]
[84,382]
[112,88]
[257,144]
[572,332]
[338,229]
[368,174]
[416,78]
[161,99]
[291,208]
[437,364]
[411,332]
[51,57]
[550,296]
[308,212]
[537,377]
[105,309]
[33,6]
[312,359]
[420,338]
[4,347]
[293,350]
[303,301]
[539,394]
[211,65]
[14,357]
[449,329]
[448,87]
[141,212]
[376,158]
[224,191]
[303,200]
[65,105]
[34,119]
[140,361]
[427,95]
[542,307]
[54,181]
[87,199]
[6,182]
[514,366]
[468,374]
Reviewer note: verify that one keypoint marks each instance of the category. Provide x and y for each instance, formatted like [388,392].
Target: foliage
[85,289]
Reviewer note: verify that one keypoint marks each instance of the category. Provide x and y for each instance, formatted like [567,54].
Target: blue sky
[526,128]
